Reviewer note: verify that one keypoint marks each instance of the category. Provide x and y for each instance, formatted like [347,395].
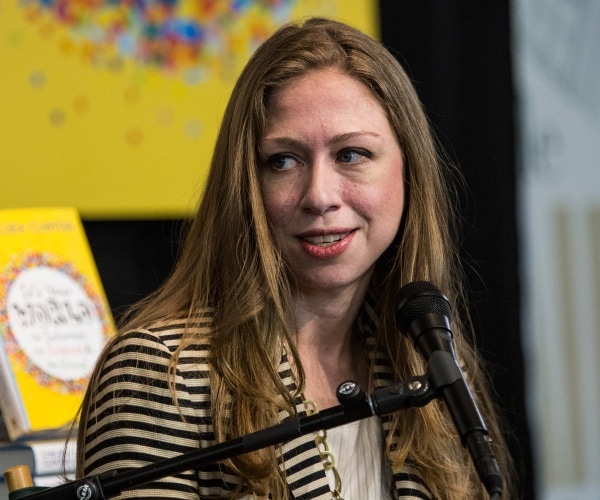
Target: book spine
[11,407]
[51,480]
[53,457]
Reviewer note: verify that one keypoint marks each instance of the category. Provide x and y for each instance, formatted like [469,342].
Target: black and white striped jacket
[133,421]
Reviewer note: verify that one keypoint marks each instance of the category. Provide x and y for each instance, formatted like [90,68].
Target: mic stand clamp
[355,404]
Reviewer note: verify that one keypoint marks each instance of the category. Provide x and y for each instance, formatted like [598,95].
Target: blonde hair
[230,262]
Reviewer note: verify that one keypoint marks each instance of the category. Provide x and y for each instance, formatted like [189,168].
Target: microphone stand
[355,404]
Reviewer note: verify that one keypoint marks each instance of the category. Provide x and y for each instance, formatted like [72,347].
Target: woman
[325,196]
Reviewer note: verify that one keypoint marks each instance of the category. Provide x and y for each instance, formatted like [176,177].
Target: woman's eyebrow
[339,138]
[336,139]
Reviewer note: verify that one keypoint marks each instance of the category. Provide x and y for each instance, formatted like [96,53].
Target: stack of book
[50,460]
[54,322]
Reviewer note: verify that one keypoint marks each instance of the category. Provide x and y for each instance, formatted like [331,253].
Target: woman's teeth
[325,239]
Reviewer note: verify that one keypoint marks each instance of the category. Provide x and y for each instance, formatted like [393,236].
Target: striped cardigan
[134,422]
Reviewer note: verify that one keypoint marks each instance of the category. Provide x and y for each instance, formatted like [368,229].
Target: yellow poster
[54,318]
[113,106]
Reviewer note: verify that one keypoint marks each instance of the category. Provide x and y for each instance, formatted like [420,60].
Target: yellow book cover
[54,318]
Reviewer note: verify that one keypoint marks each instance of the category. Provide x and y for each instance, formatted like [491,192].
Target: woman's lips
[325,239]
[326,245]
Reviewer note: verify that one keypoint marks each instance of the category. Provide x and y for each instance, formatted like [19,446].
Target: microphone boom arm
[355,405]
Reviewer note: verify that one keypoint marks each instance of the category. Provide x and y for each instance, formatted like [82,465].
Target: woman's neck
[327,347]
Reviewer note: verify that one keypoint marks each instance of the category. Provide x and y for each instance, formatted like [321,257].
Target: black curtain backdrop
[458,54]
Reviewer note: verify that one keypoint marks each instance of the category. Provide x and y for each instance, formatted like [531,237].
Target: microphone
[424,316]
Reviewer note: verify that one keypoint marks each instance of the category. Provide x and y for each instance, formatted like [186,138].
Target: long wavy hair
[230,262]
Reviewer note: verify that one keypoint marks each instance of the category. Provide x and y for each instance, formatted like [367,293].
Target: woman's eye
[353,155]
[282,162]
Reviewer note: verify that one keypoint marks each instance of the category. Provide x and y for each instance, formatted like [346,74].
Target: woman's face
[332,180]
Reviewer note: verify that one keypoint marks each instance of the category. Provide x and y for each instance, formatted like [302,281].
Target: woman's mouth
[325,239]
[326,246]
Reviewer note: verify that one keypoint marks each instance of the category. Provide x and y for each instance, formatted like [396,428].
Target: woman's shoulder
[188,334]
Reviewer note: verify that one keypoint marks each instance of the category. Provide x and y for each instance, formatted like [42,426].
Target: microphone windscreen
[417,299]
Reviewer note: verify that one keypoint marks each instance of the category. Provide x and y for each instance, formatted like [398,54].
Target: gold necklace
[326,455]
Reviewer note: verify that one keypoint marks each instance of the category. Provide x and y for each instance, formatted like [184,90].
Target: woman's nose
[321,190]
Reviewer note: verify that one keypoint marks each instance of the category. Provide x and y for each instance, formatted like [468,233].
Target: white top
[357,448]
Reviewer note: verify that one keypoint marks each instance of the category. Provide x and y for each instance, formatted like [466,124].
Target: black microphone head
[417,299]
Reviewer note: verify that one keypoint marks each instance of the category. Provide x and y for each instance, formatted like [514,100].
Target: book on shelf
[54,319]
[44,457]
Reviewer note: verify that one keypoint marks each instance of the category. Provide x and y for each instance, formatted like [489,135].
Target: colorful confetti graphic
[175,35]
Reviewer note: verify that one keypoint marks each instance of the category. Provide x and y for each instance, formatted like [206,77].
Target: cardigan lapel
[300,459]
[407,480]
[301,462]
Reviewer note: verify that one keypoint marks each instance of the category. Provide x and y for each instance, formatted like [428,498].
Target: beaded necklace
[326,455]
